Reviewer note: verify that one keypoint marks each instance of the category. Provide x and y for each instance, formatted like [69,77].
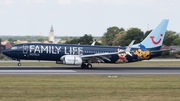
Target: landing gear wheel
[89,66]
[83,65]
[19,64]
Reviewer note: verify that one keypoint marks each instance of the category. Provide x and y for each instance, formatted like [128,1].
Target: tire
[19,64]
[83,65]
[89,66]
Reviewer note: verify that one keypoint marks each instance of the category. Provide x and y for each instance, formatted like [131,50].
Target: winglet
[128,49]
[93,43]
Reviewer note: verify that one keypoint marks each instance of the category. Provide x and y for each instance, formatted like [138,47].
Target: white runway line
[158,60]
[37,71]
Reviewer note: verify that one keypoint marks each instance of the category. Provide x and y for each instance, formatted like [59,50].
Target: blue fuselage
[53,52]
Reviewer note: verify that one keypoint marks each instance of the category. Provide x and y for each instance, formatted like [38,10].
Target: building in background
[4,45]
[51,35]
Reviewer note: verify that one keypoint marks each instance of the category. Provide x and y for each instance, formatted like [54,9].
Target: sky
[79,17]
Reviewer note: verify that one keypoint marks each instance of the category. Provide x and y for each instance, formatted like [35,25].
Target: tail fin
[156,37]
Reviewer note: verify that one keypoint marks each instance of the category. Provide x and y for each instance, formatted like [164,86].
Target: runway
[130,70]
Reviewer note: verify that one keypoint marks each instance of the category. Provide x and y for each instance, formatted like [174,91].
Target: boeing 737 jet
[84,55]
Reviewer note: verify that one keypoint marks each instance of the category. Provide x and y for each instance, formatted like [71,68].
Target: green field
[89,88]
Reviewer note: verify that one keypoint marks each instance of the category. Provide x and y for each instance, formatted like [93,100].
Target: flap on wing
[100,54]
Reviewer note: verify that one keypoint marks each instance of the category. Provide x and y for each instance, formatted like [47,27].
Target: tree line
[112,37]
[119,36]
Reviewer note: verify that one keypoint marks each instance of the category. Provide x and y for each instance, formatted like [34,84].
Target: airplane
[84,55]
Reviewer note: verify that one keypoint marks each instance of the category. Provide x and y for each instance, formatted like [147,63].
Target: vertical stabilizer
[156,37]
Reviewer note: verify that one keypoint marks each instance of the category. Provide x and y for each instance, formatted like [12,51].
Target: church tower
[51,35]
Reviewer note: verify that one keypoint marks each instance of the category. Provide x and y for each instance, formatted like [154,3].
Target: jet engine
[71,59]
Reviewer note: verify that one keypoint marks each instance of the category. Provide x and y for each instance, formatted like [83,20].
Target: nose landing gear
[19,63]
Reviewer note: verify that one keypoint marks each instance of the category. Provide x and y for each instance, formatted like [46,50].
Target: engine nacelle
[72,59]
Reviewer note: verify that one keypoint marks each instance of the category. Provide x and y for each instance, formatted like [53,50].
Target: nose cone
[5,52]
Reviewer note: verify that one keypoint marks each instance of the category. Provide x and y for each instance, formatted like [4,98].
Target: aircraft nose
[5,52]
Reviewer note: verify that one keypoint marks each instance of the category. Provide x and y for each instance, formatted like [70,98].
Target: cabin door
[25,51]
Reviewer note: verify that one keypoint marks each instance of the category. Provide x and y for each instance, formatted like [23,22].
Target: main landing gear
[88,65]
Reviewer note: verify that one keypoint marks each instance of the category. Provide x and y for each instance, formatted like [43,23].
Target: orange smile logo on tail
[156,42]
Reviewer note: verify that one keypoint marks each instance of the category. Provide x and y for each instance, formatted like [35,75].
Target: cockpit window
[14,47]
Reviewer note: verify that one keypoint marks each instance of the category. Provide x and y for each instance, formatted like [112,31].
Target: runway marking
[131,70]
[37,71]
[75,73]
[125,73]
[31,66]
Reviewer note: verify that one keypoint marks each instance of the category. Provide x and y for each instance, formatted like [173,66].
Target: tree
[131,34]
[176,41]
[170,37]
[11,40]
[117,39]
[86,39]
[73,41]
[147,33]
[40,40]
[108,37]
[134,34]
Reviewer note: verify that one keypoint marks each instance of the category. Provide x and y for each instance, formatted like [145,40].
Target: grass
[89,88]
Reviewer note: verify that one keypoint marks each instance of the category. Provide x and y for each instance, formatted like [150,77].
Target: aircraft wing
[101,54]
[100,57]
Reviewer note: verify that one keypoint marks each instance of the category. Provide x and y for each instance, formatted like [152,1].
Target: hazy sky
[79,17]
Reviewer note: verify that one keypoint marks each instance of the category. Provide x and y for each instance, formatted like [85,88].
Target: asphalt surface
[131,70]
[54,61]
